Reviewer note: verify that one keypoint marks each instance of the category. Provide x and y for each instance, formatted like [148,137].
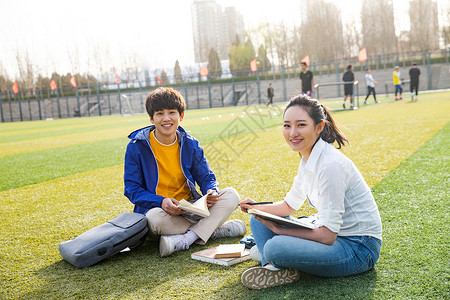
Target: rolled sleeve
[332,181]
[296,196]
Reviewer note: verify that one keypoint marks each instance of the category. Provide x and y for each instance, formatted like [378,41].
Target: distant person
[396,77]
[414,74]
[163,164]
[306,80]
[270,94]
[370,82]
[348,78]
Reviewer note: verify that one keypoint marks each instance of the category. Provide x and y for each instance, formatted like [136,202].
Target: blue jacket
[141,169]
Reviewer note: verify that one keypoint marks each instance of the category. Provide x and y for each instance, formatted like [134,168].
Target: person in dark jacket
[270,94]
[414,74]
[306,80]
[162,165]
[348,79]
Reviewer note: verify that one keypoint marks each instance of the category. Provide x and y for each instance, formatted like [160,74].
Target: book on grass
[207,255]
[230,250]
[285,221]
[198,207]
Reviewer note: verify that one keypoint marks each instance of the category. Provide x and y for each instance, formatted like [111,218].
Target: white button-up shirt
[333,185]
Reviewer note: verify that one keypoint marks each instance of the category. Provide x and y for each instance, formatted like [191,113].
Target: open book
[199,207]
[285,221]
[208,255]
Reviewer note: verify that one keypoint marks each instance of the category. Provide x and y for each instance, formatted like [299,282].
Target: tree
[265,34]
[43,82]
[322,31]
[281,41]
[214,65]
[423,16]
[26,72]
[130,67]
[241,55]
[177,73]
[295,46]
[164,77]
[352,40]
[102,60]
[5,81]
[264,62]
[378,29]
[74,59]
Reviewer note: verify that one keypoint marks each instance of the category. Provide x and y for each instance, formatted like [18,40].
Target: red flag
[53,85]
[306,60]
[15,88]
[73,81]
[362,55]
[117,78]
[204,71]
[253,65]
[159,80]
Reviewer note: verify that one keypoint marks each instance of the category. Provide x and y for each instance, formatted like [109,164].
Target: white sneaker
[169,244]
[255,254]
[231,228]
[259,277]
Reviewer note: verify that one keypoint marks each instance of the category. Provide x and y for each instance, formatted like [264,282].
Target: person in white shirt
[347,237]
[370,82]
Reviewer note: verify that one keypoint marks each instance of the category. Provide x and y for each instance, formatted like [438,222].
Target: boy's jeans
[348,255]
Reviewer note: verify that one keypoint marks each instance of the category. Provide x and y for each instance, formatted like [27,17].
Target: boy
[348,78]
[162,165]
[306,80]
[414,74]
[396,77]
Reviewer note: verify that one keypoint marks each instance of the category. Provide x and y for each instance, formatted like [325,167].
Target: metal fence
[238,89]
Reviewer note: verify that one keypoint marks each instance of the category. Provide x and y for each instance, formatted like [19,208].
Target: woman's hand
[244,206]
[269,224]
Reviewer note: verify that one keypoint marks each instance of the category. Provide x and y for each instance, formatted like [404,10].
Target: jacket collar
[143,133]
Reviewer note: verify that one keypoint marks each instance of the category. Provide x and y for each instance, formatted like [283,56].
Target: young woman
[347,236]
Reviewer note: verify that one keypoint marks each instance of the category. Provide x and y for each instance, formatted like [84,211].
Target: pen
[257,203]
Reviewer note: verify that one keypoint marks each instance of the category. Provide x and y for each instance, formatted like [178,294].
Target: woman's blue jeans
[348,255]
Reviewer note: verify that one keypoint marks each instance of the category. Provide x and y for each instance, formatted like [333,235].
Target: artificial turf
[401,148]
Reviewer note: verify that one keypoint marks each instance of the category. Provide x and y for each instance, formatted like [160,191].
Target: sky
[159,32]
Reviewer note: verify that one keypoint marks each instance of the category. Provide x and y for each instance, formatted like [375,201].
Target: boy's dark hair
[303,63]
[164,98]
[349,67]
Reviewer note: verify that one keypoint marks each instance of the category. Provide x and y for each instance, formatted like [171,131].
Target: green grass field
[60,178]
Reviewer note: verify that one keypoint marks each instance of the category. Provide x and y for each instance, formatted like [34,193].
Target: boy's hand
[212,197]
[170,206]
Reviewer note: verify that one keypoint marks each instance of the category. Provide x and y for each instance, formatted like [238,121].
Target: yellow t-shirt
[171,182]
[396,77]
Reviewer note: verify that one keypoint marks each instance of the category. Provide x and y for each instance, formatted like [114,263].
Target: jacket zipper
[154,158]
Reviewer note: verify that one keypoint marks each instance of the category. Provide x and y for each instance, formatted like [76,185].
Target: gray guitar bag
[103,241]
